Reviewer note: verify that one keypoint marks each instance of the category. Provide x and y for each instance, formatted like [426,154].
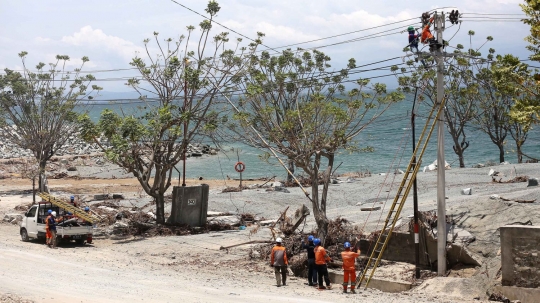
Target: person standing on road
[312,271]
[278,260]
[51,222]
[48,234]
[349,270]
[321,257]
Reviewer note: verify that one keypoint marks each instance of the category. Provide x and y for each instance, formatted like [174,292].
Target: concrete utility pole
[441,202]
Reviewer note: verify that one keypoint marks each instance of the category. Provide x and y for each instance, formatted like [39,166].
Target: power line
[211,20]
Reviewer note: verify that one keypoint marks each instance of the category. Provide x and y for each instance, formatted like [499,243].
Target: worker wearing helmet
[87,209]
[349,270]
[312,271]
[278,260]
[413,39]
[48,234]
[51,222]
[320,262]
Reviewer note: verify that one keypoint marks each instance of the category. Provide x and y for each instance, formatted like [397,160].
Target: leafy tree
[183,79]
[296,106]
[531,8]
[37,107]
[516,79]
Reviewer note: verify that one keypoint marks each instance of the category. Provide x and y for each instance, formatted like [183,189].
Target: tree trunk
[501,152]
[290,178]
[43,186]
[319,206]
[519,153]
[34,190]
[160,208]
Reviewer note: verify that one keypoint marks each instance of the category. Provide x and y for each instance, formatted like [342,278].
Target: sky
[111,32]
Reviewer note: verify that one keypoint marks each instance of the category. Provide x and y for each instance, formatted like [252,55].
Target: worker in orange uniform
[278,260]
[320,262]
[48,234]
[349,270]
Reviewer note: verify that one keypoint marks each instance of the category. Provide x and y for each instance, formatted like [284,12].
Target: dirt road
[161,269]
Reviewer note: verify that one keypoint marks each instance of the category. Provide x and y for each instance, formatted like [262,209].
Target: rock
[13,217]
[118,196]
[493,172]
[151,214]
[533,182]
[466,191]
[335,181]
[479,165]
[281,189]
[494,197]
[72,168]
[276,184]
[505,163]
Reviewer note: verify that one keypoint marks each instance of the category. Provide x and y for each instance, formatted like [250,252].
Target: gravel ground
[193,269]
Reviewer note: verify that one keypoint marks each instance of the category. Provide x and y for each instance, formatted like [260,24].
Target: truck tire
[24,235]
[79,241]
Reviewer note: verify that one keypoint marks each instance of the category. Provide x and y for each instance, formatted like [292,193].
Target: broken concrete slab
[101,197]
[533,182]
[372,208]
[525,295]
[466,191]
[228,220]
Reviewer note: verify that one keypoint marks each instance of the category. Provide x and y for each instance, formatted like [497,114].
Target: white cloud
[96,38]
[283,33]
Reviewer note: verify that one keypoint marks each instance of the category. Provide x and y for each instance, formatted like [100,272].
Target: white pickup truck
[70,228]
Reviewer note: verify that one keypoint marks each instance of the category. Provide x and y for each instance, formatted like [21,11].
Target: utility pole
[415,195]
[441,202]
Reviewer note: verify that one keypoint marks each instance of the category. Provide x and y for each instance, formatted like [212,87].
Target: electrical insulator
[454,17]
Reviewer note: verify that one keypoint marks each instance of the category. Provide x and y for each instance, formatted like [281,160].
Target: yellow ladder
[401,195]
[69,207]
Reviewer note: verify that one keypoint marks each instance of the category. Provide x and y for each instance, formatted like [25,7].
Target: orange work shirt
[278,257]
[349,257]
[320,255]
[426,33]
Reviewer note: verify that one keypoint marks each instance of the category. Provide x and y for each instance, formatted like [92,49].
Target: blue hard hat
[86,208]
[317,241]
[50,211]
[310,238]
[347,245]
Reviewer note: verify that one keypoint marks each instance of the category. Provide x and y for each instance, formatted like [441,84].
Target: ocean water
[390,136]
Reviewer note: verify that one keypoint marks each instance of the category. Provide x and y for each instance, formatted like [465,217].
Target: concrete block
[519,255]
[525,295]
[336,277]
[374,208]
[101,197]
[466,191]
[533,182]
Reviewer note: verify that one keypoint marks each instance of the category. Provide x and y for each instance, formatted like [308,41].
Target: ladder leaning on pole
[401,196]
